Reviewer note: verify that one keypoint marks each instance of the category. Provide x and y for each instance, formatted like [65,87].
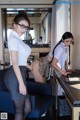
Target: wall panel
[75,29]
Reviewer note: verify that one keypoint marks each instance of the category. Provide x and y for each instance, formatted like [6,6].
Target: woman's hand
[63,72]
[22,89]
[70,70]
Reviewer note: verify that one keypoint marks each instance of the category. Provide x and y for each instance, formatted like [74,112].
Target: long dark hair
[22,15]
[66,35]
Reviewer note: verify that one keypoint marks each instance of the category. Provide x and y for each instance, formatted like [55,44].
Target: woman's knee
[19,105]
[27,106]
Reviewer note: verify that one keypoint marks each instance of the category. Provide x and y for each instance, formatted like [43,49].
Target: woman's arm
[54,64]
[14,57]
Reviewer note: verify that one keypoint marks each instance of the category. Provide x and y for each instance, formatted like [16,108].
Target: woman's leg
[36,74]
[27,107]
[22,108]
[19,108]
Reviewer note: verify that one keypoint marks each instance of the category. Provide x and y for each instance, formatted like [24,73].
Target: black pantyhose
[22,108]
[19,107]
[27,107]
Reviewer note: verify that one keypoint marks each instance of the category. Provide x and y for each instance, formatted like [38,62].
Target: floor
[49,116]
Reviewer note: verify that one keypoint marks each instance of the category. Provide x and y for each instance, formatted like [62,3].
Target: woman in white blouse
[15,79]
[60,54]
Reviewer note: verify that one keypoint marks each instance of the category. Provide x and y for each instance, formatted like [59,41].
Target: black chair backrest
[2,85]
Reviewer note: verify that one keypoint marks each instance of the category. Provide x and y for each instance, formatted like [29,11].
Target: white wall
[60,22]
[75,28]
[53,27]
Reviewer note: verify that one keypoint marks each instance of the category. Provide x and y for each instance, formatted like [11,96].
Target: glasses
[23,26]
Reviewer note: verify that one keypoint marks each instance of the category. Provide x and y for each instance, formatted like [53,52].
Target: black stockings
[22,108]
[27,107]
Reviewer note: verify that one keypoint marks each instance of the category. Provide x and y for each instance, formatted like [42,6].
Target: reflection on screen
[74,79]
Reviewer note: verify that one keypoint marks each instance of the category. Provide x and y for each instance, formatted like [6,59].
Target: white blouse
[15,43]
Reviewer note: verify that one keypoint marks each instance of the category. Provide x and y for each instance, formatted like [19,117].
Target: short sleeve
[13,44]
[58,52]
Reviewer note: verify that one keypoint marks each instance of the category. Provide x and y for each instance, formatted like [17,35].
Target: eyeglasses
[23,26]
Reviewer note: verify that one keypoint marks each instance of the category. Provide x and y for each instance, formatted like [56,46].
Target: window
[8,32]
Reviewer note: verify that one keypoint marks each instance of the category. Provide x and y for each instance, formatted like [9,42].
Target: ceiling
[31,11]
[29,2]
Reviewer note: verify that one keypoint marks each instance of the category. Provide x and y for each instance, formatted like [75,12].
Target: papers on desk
[74,79]
[77,86]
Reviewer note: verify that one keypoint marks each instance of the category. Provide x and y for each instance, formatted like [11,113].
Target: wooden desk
[72,96]
[35,52]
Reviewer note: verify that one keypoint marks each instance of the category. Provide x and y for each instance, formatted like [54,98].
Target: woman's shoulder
[60,47]
[13,37]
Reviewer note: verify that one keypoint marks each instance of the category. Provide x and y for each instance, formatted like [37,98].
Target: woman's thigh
[12,85]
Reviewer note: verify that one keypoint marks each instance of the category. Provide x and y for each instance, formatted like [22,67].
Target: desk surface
[72,93]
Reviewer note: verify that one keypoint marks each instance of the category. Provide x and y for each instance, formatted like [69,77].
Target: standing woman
[60,54]
[15,78]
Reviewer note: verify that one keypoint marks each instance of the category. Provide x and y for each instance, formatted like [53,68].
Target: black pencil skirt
[12,83]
